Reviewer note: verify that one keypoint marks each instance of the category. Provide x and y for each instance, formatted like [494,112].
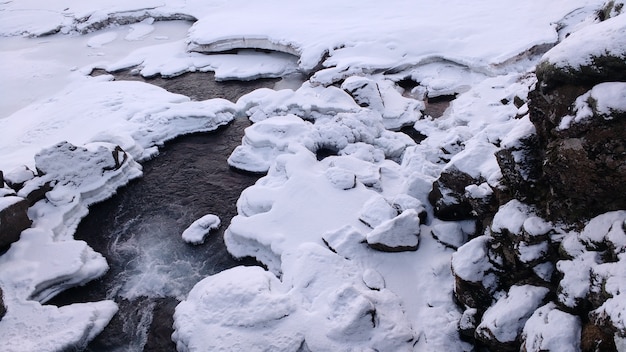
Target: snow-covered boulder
[503,322]
[476,276]
[382,96]
[71,178]
[199,229]
[551,329]
[589,56]
[15,178]
[398,234]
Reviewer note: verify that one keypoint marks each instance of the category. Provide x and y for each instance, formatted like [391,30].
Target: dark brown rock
[448,195]
[3,309]
[582,167]
[13,220]
[594,339]
[38,193]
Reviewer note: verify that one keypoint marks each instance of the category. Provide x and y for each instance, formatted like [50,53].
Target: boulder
[448,195]
[13,219]
[501,325]
[3,309]
[398,234]
[580,118]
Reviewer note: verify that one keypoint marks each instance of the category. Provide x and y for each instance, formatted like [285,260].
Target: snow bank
[134,115]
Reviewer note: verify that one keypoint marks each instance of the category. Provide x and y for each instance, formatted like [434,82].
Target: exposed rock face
[581,124]
[13,219]
[583,166]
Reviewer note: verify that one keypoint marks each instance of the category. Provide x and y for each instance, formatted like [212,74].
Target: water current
[139,229]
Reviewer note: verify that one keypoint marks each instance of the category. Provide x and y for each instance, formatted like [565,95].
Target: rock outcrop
[579,114]
[13,219]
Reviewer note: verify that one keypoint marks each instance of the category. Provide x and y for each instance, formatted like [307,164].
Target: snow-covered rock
[551,329]
[503,322]
[398,234]
[199,229]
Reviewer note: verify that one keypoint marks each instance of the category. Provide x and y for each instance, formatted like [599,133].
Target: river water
[139,229]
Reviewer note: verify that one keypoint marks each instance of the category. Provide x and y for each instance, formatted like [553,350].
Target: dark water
[139,229]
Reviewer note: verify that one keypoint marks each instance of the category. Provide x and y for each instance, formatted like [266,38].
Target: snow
[247,308]
[199,229]
[603,100]
[308,221]
[550,329]
[505,319]
[511,217]
[607,38]
[397,234]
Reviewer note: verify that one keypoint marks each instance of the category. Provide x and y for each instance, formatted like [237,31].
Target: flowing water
[139,229]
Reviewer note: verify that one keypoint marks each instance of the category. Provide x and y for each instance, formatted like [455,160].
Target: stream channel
[139,229]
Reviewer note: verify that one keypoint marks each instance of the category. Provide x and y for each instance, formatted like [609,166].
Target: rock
[468,322]
[16,177]
[580,119]
[502,324]
[448,195]
[13,219]
[398,234]
[3,309]
[475,276]
[595,339]
[451,234]
[551,329]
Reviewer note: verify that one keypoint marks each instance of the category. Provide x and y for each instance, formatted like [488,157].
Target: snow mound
[199,229]
[248,308]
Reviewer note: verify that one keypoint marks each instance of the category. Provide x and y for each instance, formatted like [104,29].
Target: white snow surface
[506,318]
[607,38]
[304,209]
[550,329]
